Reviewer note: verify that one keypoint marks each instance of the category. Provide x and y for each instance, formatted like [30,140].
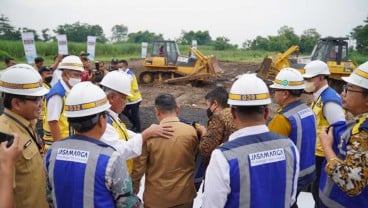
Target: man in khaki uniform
[23,95]
[168,163]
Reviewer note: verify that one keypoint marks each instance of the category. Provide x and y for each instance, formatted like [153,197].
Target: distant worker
[81,170]
[55,124]
[46,74]
[9,62]
[327,108]
[23,92]
[168,164]
[344,183]
[295,120]
[162,51]
[38,63]
[131,109]
[255,168]
[116,85]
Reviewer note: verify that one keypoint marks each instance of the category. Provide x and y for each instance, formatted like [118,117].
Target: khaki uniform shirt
[169,166]
[29,176]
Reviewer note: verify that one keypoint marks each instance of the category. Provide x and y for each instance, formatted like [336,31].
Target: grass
[104,52]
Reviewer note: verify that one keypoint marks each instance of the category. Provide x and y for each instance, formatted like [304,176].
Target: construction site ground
[191,98]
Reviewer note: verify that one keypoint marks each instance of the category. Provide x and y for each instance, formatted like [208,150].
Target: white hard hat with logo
[288,79]
[315,68]
[249,90]
[359,76]
[72,63]
[85,99]
[22,79]
[118,81]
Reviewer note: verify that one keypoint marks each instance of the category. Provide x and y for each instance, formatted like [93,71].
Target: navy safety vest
[303,134]
[330,194]
[263,170]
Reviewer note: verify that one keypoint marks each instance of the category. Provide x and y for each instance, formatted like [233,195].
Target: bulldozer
[333,51]
[167,65]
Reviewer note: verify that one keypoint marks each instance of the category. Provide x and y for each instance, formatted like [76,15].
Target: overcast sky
[238,20]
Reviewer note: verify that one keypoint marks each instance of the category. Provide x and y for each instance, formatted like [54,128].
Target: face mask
[209,112]
[73,81]
[309,86]
[48,79]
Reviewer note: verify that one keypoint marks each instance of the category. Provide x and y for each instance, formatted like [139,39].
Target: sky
[237,20]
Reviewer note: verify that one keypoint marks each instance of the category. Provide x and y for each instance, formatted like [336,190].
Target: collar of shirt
[319,92]
[170,119]
[249,131]
[25,122]
[67,89]
[113,114]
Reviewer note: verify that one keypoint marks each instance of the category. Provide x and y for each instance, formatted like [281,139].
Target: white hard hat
[85,99]
[22,79]
[315,68]
[117,81]
[249,90]
[289,79]
[359,76]
[71,62]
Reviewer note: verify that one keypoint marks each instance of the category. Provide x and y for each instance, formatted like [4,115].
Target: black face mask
[48,79]
[209,112]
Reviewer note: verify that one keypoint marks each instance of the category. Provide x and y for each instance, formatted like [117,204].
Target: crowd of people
[71,148]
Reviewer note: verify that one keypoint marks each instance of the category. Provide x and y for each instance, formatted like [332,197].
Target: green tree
[7,31]
[45,35]
[143,36]
[78,32]
[288,37]
[260,43]
[222,43]
[308,40]
[360,34]
[119,33]
[202,37]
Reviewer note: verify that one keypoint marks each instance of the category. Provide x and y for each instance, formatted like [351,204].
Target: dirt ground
[191,99]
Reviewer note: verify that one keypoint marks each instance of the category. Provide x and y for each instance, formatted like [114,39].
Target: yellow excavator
[333,51]
[166,64]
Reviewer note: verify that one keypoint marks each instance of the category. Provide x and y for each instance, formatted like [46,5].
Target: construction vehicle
[333,51]
[166,64]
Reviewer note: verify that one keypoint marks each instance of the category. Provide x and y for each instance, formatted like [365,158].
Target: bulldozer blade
[187,79]
[214,66]
[263,71]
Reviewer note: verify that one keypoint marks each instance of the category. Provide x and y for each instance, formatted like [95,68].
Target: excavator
[167,65]
[333,51]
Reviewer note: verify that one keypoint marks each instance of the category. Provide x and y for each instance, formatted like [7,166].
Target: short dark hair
[125,62]
[38,60]
[296,93]
[8,59]
[86,123]
[165,102]
[219,94]
[249,111]
[7,97]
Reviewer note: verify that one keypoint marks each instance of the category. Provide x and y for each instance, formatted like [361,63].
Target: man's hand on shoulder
[164,131]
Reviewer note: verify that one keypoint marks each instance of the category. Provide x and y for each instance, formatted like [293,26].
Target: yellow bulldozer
[333,51]
[166,64]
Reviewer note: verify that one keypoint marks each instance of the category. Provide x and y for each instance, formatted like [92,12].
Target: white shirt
[55,104]
[127,149]
[56,76]
[217,183]
[332,111]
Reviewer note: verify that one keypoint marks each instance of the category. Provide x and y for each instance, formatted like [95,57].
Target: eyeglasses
[34,98]
[345,89]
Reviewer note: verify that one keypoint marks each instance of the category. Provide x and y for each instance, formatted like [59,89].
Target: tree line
[286,37]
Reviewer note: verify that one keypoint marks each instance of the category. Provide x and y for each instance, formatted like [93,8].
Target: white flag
[91,46]
[29,46]
[62,44]
[144,49]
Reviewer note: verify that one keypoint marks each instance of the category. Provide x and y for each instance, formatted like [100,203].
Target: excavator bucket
[266,70]
[213,66]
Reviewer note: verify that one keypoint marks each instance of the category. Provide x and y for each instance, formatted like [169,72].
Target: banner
[62,44]
[144,50]
[29,46]
[194,45]
[91,47]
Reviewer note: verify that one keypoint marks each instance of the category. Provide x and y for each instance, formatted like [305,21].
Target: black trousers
[131,111]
